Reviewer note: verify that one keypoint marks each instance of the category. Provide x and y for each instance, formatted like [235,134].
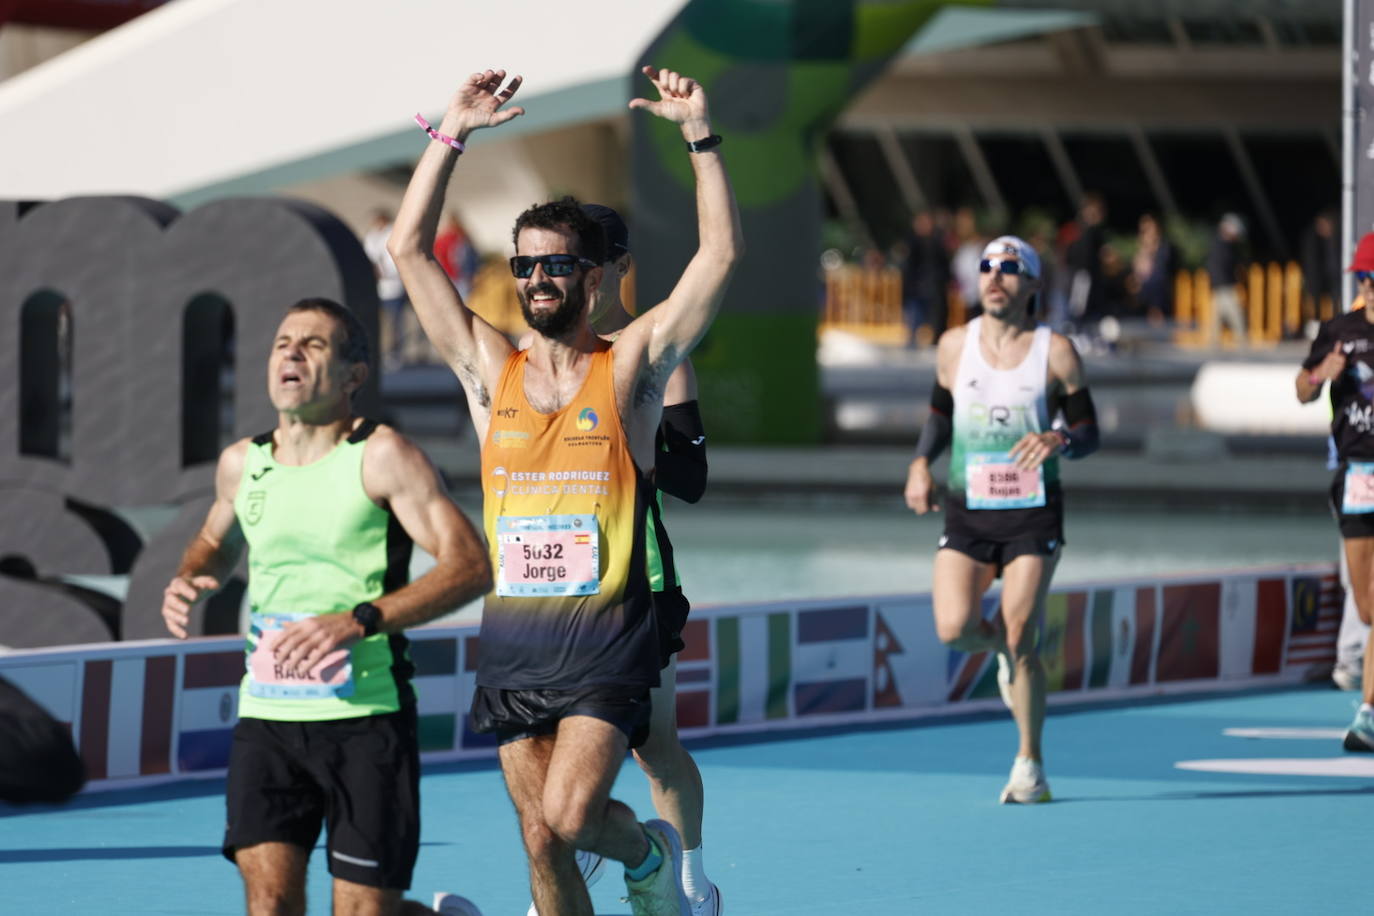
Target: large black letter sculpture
[118,315]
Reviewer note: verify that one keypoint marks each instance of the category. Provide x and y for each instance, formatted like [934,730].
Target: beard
[560,320]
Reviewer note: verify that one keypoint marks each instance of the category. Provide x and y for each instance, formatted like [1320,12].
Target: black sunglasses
[1003,266]
[555,265]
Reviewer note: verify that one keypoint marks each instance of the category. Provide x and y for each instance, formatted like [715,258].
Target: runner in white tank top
[1000,381]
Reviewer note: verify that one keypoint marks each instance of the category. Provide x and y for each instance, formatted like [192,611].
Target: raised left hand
[680,98]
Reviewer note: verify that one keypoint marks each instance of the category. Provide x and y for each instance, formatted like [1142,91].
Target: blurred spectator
[1321,266]
[1083,261]
[1225,262]
[390,292]
[1152,271]
[1114,282]
[925,278]
[967,253]
[455,254]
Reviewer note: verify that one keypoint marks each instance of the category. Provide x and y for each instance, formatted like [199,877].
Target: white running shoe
[1360,737]
[590,865]
[1005,674]
[1027,785]
[660,894]
[710,905]
[1346,679]
[454,905]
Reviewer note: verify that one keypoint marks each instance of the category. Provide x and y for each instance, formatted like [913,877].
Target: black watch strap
[705,143]
[370,616]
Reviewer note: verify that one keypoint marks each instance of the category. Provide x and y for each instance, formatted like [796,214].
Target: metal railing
[869,301]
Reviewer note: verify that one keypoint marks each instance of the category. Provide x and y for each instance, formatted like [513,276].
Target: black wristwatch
[370,616]
[705,143]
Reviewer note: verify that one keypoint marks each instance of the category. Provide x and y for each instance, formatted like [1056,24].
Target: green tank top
[659,559]
[317,544]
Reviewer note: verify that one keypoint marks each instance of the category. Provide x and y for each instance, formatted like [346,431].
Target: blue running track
[894,820]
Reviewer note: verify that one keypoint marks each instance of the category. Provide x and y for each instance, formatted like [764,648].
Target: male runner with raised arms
[1001,379]
[1343,354]
[569,641]
[680,470]
[329,505]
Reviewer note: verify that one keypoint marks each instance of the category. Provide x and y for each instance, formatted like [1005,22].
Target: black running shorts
[358,777]
[517,714]
[671,607]
[1353,525]
[998,536]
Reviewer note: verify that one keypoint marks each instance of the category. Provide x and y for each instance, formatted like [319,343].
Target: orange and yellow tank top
[564,508]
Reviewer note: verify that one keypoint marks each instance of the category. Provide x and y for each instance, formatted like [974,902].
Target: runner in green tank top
[328,505]
[679,470]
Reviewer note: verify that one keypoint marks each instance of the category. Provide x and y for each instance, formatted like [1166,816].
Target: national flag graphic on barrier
[753,667]
[437,692]
[209,709]
[694,676]
[833,659]
[1061,641]
[1190,632]
[909,662]
[1315,620]
[1111,634]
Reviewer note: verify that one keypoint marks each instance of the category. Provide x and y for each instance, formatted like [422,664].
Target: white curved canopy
[206,97]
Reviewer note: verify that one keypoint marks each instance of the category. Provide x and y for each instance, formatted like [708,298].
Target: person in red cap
[1343,354]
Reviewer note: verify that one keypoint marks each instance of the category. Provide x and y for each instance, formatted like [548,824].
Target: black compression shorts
[517,714]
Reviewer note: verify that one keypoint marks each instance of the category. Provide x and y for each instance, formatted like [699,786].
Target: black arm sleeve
[1080,421]
[680,463]
[938,428]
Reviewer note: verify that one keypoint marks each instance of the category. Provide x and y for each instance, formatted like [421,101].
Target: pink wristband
[1313,378]
[435,135]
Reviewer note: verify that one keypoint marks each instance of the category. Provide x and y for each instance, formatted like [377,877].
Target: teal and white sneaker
[454,905]
[590,865]
[660,894]
[1360,736]
[1027,785]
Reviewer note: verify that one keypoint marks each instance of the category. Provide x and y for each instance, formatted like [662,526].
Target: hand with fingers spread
[1034,449]
[479,103]
[177,598]
[680,100]
[305,643]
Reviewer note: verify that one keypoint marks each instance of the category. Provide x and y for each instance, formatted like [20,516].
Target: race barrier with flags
[159,710]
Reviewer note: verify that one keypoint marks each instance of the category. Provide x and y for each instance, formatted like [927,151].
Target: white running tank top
[994,408]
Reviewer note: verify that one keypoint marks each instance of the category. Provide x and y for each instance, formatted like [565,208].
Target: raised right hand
[477,103]
[178,597]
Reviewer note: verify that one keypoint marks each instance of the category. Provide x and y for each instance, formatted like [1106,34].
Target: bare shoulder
[1065,363]
[1062,349]
[230,468]
[951,344]
[388,449]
